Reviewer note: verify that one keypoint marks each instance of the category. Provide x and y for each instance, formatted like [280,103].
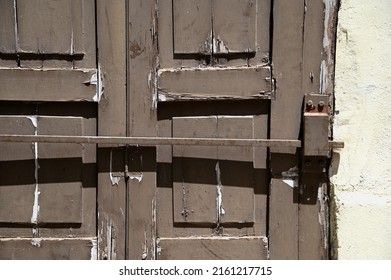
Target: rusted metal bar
[152,141]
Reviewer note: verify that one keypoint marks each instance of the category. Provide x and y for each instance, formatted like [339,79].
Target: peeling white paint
[219,198]
[291,173]
[323,77]
[290,182]
[136,176]
[219,46]
[34,120]
[328,7]
[114,179]
[94,249]
[72,50]
[97,79]
[36,242]
[35,214]
[162,97]
[16,26]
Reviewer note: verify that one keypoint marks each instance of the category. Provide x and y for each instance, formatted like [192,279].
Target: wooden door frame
[308,65]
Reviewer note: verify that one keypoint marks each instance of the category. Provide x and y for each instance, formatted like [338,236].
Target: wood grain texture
[245,248]
[214,83]
[17,179]
[234,28]
[313,215]
[142,48]
[286,108]
[7,30]
[283,220]
[192,26]
[111,20]
[46,85]
[47,249]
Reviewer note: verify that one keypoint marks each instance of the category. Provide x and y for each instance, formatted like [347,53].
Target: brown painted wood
[283,219]
[46,26]
[60,172]
[142,204]
[313,216]
[244,248]
[214,83]
[286,108]
[7,30]
[17,180]
[43,249]
[192,26]
[234,28]
[142,47]
[142,121]
[47,85]
[111,18]
[194,188]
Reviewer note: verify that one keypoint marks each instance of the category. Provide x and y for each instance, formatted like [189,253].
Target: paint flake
[97,80]
[36,242]
[114,179]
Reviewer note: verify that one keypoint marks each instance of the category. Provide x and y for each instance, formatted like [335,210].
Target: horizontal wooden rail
[153,141]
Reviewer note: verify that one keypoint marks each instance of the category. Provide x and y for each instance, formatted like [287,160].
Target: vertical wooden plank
[283,218]
[7,30]
[142,47]
[112,121]
[142,121]
[192,26]
[287,57]
[313,215]
[234,25]
[142,204]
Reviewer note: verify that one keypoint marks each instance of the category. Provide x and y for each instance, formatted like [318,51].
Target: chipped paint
[97,79]
[136,176]
[94,249]
[219,198]
[153,229]
[290,182]
[291,173]
[36,242]
[323,77]
[219,46]
[328,8]
[16,26]
[114,179]
[35,213]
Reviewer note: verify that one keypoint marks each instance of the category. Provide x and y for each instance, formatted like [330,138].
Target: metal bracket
[316,146]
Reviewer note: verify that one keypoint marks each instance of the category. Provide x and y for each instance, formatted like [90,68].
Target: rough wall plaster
[363,120]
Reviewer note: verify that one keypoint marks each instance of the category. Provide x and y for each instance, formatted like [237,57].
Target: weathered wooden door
[48,82]
[213,69]
[220,69]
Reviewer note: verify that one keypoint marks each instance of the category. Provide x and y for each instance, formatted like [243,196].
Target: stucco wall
[362,184]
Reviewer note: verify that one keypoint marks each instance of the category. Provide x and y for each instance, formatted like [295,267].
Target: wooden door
[48,78]
[213,81]
[168,68]
[213,69]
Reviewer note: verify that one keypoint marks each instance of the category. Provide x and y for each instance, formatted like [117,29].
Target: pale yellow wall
[363,121]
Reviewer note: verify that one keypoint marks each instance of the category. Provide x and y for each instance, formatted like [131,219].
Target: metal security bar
[153,141]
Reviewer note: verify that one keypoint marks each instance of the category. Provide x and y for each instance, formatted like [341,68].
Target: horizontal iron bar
[152,141]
